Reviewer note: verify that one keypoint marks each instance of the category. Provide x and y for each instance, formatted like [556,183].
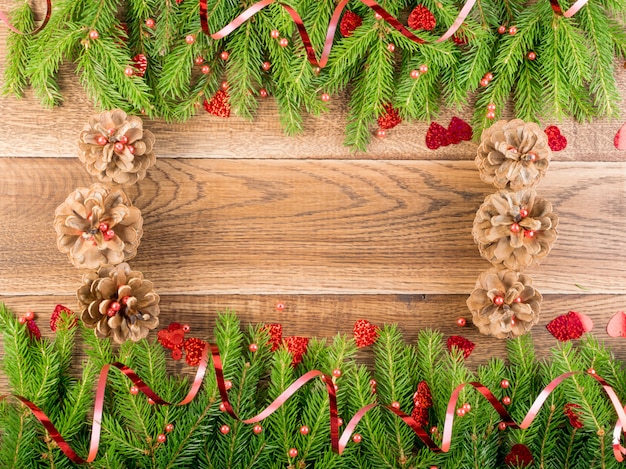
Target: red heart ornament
[519,456]
[556,141]
[459,131]
[467,346]
[365,333]
[620,138]
[569,326]
[616,326]
[171,338]
[437,136]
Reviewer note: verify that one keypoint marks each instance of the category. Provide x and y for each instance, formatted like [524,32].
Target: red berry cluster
[173,338]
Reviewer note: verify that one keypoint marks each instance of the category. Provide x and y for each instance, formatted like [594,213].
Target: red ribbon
[338,443]
[571,11]
[4,18]
[332,27]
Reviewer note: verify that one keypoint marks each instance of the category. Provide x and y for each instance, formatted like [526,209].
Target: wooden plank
[327,315]
[53,133]
[289,227]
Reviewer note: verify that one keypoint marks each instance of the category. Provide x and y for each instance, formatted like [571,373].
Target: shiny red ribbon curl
[4,18]
[338,443]
[332,27]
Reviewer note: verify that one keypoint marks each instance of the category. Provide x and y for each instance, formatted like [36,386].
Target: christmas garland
[155,59]
[204,428]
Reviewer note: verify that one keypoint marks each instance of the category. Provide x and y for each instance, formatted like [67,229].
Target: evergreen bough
[572,75]
[39,369]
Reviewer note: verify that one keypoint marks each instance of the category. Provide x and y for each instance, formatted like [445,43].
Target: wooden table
[237,215]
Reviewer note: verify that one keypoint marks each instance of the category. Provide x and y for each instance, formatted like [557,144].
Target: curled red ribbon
[338,443]
[332,27]
[4,18]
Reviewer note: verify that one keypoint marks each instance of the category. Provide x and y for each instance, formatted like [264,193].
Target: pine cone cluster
[504,303]
[116,148]
[119,303]
[513,155]
[515,229]
[96,226]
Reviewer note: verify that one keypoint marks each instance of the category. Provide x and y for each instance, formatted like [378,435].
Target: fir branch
[17,51]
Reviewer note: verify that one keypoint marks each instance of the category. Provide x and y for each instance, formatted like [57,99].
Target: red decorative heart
[459,131]
[365,333]
[519,456]
[556,141]
[422,18]
[437,136]
[569,326]
[219,105]
[620,138]
[297,347]
[389,118]
[617,325]
[462,343]
[276,335]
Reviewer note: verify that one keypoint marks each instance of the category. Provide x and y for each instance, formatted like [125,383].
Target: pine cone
[515,229]
[504,303]
[513,154]
[118,303]
[116,148]
[97,226]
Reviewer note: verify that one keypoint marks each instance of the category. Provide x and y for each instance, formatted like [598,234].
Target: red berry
[490,115]
[161,438]
[225,429]
[283,42]
[523,212]
[169,428]
[186,328]
[275,33]
[460,412]
[504,384]
[506,400]
[102,140]
[111,312]
[128,71]
[190,39]
[119,147]
[498,300]
[531,55]
[29,316]
[304,430]
[224,55]
[228,384]
[357,438]
[415,74]
[491,107]
[512,30]
[489,76]
[502,426]
[253,347]
[325,97]
[515,228]
[484,82]
[93,34]
[134,390]
[150,23]
[205,69]
[336,372]
[381,133]
[263,94]
[502,29]
[391,47]
[461,322]
[108,235]
[293,452]
[257,429]
[266,66]
[395,404]
[423,68]
[529,234]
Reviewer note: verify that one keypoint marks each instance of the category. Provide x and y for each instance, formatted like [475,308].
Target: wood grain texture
[257,226]
[327,315]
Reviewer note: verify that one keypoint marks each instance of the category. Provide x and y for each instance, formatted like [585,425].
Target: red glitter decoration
[173,337]
[423,400]
[519,456]
[33,329]
[140,62]
[177,354]
[573,415]
[566,327]
[193,350]
[349,23]
[462,343]
[56,314]
[556,141]
[297,347]
[459,131]
[437,136]
[219,105]
[276,335]
[365,333]
[422,18]
[390,118]
[458,40]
